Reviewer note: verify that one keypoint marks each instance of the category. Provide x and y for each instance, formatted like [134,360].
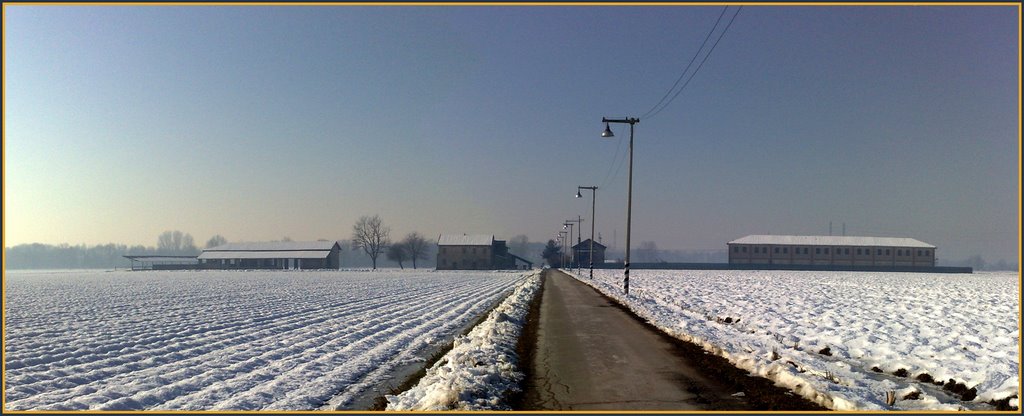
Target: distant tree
[648,252]
[217,240]
[519,244]
[169,241]
[976,262]
[416,246]
[370,234]
[286,239]
[398,253]
[552,254]
[188,245]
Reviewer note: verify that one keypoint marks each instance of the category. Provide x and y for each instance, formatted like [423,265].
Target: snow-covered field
[482,368]
[826,335]
[226,339]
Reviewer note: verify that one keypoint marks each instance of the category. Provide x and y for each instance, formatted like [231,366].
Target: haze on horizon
[263,122]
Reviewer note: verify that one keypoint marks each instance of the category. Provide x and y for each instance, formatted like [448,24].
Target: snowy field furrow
[846,339]
[226,340]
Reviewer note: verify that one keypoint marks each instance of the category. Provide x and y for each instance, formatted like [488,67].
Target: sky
[263,122]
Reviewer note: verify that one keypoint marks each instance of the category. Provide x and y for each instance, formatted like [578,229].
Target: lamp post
[561,238]
[629,193]
[578,221]
[568,225]
[593,205]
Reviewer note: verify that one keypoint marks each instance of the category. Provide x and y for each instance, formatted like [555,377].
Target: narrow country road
[590,354]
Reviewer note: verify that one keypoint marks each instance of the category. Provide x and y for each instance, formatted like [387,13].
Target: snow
[775,324]
[215,340]
[480,370]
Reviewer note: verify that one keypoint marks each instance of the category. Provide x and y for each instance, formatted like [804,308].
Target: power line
[687,69]
[615,161]
[701,65]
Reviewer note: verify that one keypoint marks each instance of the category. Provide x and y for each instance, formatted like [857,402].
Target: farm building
[273,255]
[150,262]
[475,252]
[831,251]
[581,253]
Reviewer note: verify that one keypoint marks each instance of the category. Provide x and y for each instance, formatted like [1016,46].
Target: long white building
[273,255]
[831,250]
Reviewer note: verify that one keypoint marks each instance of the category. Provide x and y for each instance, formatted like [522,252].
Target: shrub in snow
[480,370]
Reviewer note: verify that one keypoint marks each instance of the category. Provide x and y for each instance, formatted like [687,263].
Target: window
[847,252]
[919,253]
[878,252]
[858,251]
[735,249]
[776,250]
[785,250]
[826,250]
[805,250]
[899,252]
[817,250]
[744,249]
[888,252]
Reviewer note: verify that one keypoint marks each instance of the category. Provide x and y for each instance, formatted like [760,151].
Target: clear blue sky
[260,122]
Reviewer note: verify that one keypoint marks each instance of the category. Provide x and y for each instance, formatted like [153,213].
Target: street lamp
[593,205]
[568,225]
[578,221]
[561,238]
[629,193]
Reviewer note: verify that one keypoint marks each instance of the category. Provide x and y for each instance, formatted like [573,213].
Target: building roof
[586,244]
[273,254]
[465,240]
[274,246]
[832,240]
[162,259]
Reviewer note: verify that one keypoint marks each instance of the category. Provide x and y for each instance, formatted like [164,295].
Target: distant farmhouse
[831,251]
[476,252]
[273,255]
[581,253]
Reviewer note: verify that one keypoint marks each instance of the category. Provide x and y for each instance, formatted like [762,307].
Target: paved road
[592,355]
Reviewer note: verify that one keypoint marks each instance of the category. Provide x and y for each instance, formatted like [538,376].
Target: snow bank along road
[482,368]
[226,339]
[846,340]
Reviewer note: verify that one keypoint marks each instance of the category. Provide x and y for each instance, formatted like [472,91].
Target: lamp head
[578,194]
[607,131]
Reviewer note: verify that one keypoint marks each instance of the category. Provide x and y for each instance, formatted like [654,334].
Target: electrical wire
[701,65]
[688,65]
[615,161]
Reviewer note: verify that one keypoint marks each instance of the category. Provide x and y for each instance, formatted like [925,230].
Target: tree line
[102,256]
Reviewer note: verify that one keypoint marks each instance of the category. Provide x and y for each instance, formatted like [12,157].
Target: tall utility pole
[570,223]
[593,205]
[629,193]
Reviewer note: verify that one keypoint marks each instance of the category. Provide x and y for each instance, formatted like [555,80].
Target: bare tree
[398,253]
[370,234]
[176,242]
[188,245]
[416,246]
[217,240]
[648,252]
[519,244]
